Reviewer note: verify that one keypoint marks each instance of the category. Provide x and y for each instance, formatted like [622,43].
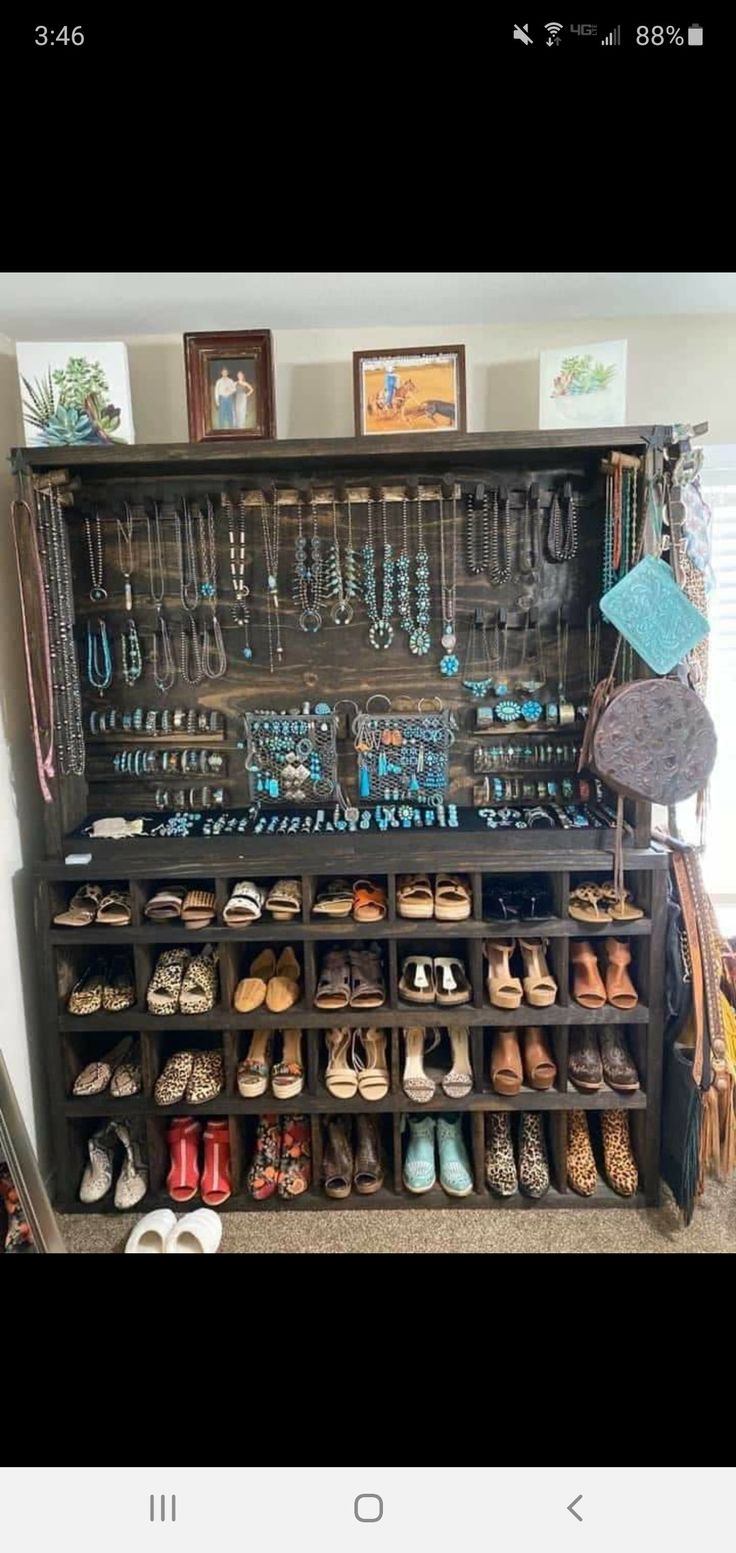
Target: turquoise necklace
[449,662]
[381,632]
[99,673]
[416,627]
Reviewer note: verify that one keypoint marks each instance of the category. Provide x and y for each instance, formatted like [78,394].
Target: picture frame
[230,385]
[582,385]
[75,393]
[414,388]
[17,1152]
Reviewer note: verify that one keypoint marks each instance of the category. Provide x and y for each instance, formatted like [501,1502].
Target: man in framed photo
[225,390]
[390,384]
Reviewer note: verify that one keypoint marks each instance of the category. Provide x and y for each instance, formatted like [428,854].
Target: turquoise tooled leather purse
[653,614]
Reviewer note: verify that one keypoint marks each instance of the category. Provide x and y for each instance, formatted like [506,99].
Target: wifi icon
[554,29]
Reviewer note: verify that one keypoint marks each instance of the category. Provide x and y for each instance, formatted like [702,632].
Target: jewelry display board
[184,587]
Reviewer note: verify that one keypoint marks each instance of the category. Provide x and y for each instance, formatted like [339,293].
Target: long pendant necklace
[420,640]
[131,656]
[99,657]
[94,546]
[270,526]
[499,569]
[165,677]
[214,656]
[381,632]
[563,643]
[241,612]
[190,656]
[528,548]
[308,574]
[449,662]
[66,711]
[594,651]
[562,533]
[477,534]
[336,584]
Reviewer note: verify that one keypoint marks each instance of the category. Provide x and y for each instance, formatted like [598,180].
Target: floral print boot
[582,1175]
[295,1167]
[618,1155]
[263,1175]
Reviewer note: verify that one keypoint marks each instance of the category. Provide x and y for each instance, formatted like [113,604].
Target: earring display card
[291,756]
[403,757]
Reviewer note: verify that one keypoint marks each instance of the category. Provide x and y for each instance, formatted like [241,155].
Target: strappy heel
[373,1076]
[459,1081]
[504,990]
[340,1078]
[540,988]
[415,1082]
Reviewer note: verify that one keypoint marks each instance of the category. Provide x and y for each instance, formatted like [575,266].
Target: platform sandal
[182,1180]
[86,996]
[587,986]
[415,896]
[540,987]
[540,1068]
[337,1159]
[416,982]
[459,1081]
[245,904]
[82,908]
[199,985]
[373,1075]
[164,987]
[254,1070]
[368,1171]
[504,990]
[453,898]
[451,981]
[287,1076]
[620,989]
[295,1165]
[369,901]
[198,908]
[284,900]
[334,899]
[506,1069]
[118,992]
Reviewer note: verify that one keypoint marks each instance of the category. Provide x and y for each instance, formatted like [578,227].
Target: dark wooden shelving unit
[335,663]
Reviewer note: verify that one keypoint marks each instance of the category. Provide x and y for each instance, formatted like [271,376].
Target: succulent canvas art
[75,394]
[584,386]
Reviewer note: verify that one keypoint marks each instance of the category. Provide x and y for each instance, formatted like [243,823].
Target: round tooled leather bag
[654,740]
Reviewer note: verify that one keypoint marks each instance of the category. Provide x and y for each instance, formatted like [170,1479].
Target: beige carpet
[651,1230]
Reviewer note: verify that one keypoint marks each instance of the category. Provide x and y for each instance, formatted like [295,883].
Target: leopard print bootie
[533,1165]
[618,1155]
[500,1164]
[582,1175]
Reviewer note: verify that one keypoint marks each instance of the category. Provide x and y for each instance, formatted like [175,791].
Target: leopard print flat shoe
[533,1163]
[86,996]
[199,986]
[171,1084]
[207,1078]
[618,1155]
[582,1175]
[118,992]
[164,987]
[500,1163]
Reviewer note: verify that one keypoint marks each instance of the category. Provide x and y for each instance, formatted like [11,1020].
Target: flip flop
[586,904]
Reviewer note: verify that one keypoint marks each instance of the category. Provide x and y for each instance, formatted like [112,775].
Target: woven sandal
[334,985]
[165,905]
[287,1077]
[198,909]
[250,992]
[373,1075]
[284,901]
[245,904]
[199,986]
[207,1078]
[453,898]
[171,1084]
[340,1078]
[334,899]
[255,1069]
[118,992]
[164,987]
[115,909]
[368,988]
[86,996]
[415,896]
[369,901]
[284,988]
[588,904]
[451,980]
[95,1077]
[416,982]
[82,908]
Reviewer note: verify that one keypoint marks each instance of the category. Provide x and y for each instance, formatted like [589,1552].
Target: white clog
[152,1232]
[195,1232]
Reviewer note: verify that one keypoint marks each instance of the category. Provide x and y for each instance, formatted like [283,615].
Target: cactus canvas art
[583,385]
[74,394]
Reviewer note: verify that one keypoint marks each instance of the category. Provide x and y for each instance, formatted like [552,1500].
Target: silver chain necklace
[241,611]
[66,711]
[130,646]
[270,526]
[94,546]
[214,656]
[164,679]
[190,656]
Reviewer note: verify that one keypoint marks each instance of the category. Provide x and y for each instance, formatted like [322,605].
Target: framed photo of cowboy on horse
[419,388]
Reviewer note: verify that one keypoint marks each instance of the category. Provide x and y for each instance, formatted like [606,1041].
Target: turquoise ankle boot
[456,1176]
[419,1168]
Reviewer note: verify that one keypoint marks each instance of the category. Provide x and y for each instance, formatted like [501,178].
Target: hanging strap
[689,917]
[44,761]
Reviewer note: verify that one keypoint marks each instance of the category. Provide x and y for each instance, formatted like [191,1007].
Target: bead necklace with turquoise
[130,647]
[381,632]
[99,658]
[449,662]
[416,627]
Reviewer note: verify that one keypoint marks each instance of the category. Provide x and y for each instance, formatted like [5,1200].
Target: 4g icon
[585,29]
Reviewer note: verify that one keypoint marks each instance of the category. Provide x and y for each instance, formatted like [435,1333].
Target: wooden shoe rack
[332,664]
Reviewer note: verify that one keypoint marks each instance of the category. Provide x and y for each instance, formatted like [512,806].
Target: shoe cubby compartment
[323,884]
[59,900]
[436,1196]
[72,961]
[169,930]
[159,1159]
[529,1098]
[147,956]
[159,1046]
[610,1013]
[75,1154]
[556,957]
[268,1101]
[79,1047]
[437,1064]
[266,925]
[605,1194]
[235,967]
[553,1127]
[424,944]
[318,1056]
[635,1040]
[520,904]
[638,884]
[389,1193]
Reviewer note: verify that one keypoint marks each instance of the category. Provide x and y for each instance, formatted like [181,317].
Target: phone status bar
[554,36]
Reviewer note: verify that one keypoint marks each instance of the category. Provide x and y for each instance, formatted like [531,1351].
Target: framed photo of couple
[415,389]
[230,386]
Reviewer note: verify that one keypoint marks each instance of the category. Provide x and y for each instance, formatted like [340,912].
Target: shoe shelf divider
[336,663]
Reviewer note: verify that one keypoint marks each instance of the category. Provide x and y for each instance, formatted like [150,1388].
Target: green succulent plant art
[581,375]
[71,405]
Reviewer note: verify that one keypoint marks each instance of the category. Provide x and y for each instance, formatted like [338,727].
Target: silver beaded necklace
[214,656]
[164,677]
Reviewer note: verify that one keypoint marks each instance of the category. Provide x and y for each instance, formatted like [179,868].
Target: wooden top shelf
[440,452]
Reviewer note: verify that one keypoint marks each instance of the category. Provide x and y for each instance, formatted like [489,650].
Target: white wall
[678,369]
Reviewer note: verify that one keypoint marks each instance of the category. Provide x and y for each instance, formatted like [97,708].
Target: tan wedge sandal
[540,1068]
[340,1078]
[587,987]
[504,990]
[620,989]
[287,1078]
[254,1070]
[540,987]
[506,1069]
[373,1076]
[415,896]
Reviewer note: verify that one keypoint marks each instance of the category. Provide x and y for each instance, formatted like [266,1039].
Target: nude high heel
[587,987]
[504,990]
[540,988]
[373,1078]
[340,1078]
[620,989]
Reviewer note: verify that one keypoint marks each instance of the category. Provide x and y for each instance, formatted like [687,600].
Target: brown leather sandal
[506,1069]
[620,989]
[587,986]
